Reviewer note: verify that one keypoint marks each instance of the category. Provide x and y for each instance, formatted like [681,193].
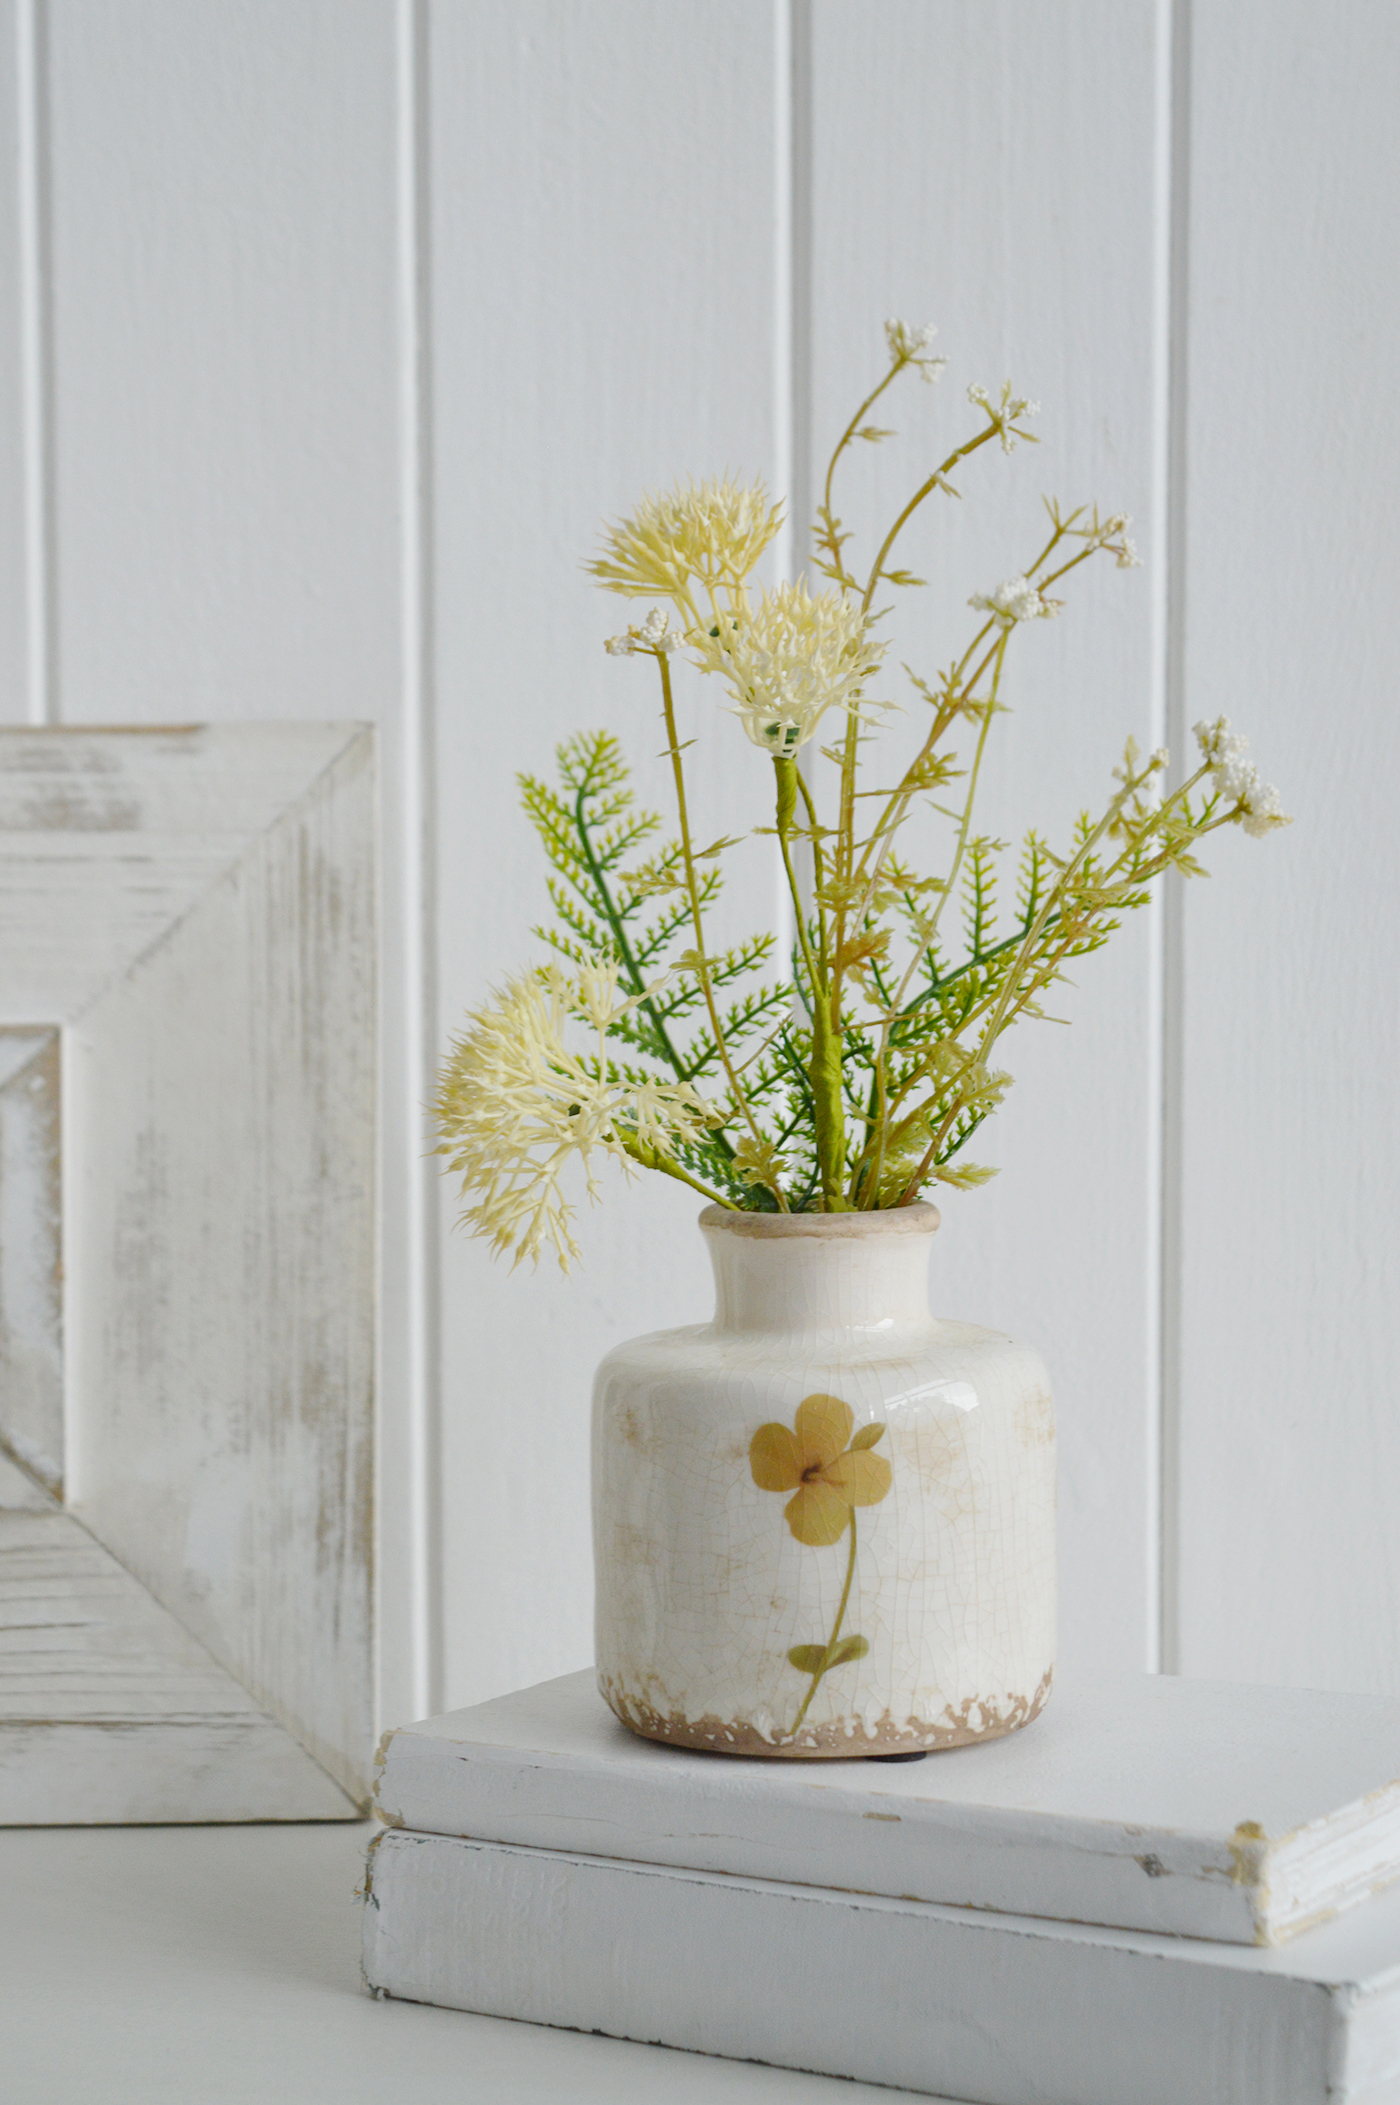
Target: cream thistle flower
[788,660]
[713,531]
[1015,600]
[515,1108]
[1223,749]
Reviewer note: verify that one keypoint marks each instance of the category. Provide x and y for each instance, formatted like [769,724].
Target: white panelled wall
[330,328]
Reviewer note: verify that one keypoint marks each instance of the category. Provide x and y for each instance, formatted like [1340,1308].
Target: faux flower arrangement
[855,1078]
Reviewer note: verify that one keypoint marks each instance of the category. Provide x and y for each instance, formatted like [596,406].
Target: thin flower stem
[920,1177]
[848,764]
[814,972]
[652,1158]
[880,1137]
[846,826]
[960,685]
[1056,893]
[899,799]
[989,710]
[924,490]
[863,1182]
[818,876]
[825,1076]
[841,444]
[763,1044]
[741,1102]
[836,1631]
[1020,984]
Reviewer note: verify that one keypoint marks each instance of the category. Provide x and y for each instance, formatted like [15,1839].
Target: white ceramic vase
[824,1523]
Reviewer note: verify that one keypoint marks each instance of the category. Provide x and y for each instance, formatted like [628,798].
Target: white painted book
[1003,2009]
[1085,1913]
[1139,1801]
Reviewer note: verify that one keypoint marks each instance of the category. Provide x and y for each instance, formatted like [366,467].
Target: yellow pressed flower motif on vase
[825,1469]
[829,1474]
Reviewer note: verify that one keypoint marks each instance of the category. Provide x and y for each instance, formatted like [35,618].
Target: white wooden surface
[1290,1287]
[227,492]
[111,1711]
[986,217]
[1001,2008]
[31,1252]
[15,164]
[1285,1812]
[195,909]
[581,354]
[146,1966]
[352,316]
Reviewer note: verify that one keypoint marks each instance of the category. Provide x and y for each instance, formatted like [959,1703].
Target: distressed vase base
[970,1723]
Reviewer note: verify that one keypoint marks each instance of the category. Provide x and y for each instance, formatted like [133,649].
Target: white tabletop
[197,1965]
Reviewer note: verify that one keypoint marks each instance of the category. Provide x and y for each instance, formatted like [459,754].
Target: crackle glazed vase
[824,1523]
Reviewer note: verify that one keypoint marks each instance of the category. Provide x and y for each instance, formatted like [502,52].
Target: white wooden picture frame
[187,1266]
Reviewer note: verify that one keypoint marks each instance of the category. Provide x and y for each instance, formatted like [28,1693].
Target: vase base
[971,1722]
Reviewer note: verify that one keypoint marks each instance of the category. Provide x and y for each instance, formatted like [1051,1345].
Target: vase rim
[918,1219]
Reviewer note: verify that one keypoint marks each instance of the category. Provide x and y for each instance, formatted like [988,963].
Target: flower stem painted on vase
[829,1473]
[817,1660]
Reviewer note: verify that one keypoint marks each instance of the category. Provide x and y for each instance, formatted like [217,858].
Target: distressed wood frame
[187,1266]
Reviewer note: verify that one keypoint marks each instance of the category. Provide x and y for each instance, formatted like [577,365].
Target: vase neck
[835,1272]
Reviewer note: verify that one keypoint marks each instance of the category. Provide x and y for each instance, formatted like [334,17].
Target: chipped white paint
[702,1587]
[195,909]
[1004,2009]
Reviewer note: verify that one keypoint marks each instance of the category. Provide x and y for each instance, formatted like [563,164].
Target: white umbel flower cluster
[1016,599]
[654,634]
[1006,414]
[1112,534]
[789,660]
[517,1108]
[1236,778]
[910,346]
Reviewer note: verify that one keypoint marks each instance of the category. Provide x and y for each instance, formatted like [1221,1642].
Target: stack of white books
[1163,1892]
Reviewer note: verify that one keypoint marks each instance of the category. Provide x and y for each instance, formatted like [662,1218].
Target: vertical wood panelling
[15,146]
[1290,1465]
[227,434]
[344,299]
[223,227]
[994,169]
[410,1265]
[603,206]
